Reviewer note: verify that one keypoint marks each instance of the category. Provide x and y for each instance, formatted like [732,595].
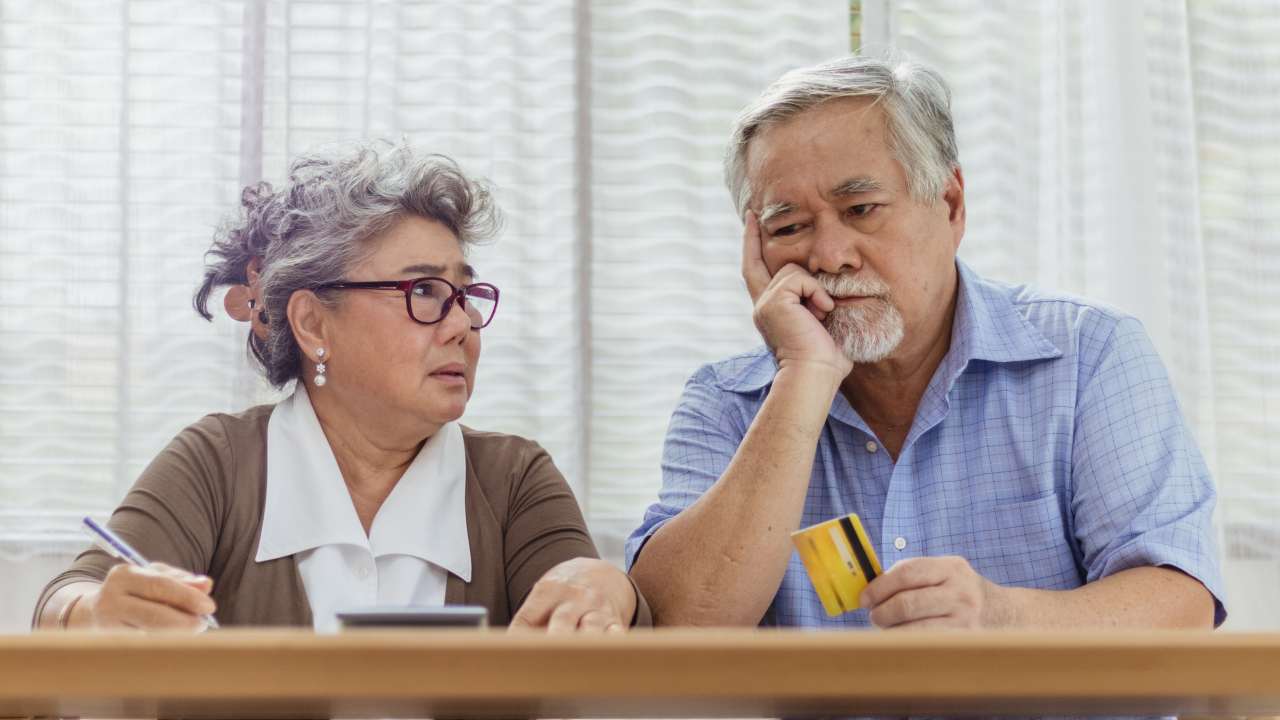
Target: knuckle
[906,574]
[877,616]
[152,586]
[119,573]
[907,606]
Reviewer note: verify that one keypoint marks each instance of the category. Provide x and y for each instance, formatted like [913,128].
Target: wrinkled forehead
[419,247]
[822,147]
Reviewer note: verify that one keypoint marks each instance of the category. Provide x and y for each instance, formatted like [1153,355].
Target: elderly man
[1017,457]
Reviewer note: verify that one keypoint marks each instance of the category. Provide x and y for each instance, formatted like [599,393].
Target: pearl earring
[320,369]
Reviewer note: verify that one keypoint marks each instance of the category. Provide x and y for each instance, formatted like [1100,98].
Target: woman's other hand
[579,595]
[153,597]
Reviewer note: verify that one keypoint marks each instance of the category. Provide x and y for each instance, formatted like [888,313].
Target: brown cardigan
[199,506]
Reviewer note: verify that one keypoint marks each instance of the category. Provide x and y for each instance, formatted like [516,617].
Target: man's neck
[887,394]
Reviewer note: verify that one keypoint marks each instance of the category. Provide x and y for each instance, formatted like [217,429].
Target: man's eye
[862,210]
[786,230]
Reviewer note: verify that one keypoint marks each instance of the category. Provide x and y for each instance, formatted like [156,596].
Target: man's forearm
[721,560]
[1143,597]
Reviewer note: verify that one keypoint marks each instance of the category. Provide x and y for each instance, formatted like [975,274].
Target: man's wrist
[812,375]
[1002,606]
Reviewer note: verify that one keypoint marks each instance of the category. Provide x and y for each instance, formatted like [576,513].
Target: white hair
[917,105]
[315,228]
[867,333]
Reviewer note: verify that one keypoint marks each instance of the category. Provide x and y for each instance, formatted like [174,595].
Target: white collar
[308,504]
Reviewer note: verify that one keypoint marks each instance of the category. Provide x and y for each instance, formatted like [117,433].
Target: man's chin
[866,348]
[870,360]
[866,335]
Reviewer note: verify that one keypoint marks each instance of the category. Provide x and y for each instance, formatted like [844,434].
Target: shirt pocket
[1024,543]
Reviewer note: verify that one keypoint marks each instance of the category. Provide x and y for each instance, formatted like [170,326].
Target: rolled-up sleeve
[1142,494]
[705,430]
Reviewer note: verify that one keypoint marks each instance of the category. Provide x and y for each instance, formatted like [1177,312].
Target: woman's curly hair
[315,229]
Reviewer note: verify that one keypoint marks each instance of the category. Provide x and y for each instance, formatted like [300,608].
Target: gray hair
[917,105]
[314,230]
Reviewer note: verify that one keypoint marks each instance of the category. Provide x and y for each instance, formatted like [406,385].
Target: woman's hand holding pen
[153,597]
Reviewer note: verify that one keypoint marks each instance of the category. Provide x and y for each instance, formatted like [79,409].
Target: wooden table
[675,673]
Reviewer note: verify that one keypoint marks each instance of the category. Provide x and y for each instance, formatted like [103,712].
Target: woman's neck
[371,458]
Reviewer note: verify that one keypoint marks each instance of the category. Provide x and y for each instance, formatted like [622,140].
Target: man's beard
[870,330]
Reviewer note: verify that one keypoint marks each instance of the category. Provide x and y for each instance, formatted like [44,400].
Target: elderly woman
[360,488]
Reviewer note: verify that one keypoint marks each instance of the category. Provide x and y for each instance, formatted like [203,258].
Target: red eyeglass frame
[457,294]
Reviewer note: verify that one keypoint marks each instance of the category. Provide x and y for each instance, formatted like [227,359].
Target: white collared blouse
[418,537]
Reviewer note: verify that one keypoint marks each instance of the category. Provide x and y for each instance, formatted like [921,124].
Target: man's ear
[953,195]
[311,322]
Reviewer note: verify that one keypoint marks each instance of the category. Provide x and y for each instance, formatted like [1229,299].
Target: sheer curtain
[128,127]
[1124,151]
[1127,151]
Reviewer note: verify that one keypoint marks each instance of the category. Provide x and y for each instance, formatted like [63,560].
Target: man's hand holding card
[918,593]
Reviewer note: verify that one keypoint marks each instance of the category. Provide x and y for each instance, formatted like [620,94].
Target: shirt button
[900,543]
[872,447]
[363,572]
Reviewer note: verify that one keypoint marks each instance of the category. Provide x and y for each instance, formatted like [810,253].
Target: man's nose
[836,248]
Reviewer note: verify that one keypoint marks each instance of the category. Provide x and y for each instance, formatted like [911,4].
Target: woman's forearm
[64,596]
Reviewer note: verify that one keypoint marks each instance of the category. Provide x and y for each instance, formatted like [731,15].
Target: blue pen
[113,545]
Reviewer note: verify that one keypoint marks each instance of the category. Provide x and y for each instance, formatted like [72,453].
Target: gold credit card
[840,560]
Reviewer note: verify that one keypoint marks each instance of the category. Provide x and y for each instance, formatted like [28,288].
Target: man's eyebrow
[769,212]
[424,269]
[853,186]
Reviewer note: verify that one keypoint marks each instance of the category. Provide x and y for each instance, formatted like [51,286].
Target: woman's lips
[452,373]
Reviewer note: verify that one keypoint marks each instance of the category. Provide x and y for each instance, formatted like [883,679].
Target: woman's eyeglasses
[429,299]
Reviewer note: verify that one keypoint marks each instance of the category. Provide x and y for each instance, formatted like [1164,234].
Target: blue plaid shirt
[1048,450]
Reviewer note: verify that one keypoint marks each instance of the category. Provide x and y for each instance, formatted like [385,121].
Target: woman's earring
[320,369]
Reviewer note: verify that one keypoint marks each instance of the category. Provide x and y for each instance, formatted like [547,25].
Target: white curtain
[1128,152]
[1124,151]
[128,127]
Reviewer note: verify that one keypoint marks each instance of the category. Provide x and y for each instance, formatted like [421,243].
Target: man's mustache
[847,284]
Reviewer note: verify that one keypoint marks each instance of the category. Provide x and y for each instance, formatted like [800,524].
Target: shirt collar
[308,505]
[987,326]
